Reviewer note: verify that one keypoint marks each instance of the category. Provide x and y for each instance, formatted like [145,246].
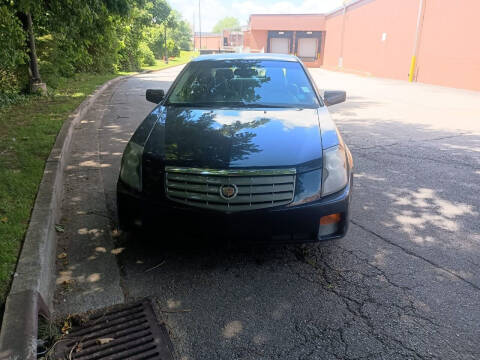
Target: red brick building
[208,41]
[226,41]
[299,34]
[431,41]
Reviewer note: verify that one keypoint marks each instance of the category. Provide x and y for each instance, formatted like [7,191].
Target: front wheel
[126,218]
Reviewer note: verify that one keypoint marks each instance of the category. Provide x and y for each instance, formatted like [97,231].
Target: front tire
[126,219]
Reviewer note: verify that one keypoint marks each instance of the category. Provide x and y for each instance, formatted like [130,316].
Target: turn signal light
[330,219]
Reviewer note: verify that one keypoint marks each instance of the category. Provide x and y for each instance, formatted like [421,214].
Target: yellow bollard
[412,69]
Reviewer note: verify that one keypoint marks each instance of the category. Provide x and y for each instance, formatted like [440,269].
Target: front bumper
[287,224]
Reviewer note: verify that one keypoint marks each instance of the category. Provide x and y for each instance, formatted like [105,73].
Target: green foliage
[147,57]
[159,9]
[228,22]
[173,49]
[73,36]
[182,33]
[156,40]
[12,54]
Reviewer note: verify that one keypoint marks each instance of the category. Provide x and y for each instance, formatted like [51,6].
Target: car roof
[246,56]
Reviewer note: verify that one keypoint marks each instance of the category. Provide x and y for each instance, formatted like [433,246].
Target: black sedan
[241,145]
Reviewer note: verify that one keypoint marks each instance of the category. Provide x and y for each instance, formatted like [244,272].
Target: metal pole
[193,29]
[199,25]
[340,58]
[411,74]
[166,49]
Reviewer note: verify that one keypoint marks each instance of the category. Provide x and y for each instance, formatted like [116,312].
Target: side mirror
[334,97]
[155,95]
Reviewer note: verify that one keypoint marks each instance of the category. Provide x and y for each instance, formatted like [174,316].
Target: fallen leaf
[60,228]
[66,326]
[4,219]
[104,341]
[63,255]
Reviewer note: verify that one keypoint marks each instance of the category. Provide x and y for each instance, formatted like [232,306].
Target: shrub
[146,54]
[173,49]
[12,54]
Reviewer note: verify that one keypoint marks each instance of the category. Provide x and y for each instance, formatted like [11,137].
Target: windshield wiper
[210,104]
[267,105]
[232,104]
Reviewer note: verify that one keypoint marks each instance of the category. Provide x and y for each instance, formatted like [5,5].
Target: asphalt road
[404,283]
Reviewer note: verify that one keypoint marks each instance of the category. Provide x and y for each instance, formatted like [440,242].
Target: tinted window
[244,83]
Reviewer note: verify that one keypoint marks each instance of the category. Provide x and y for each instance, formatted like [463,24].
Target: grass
[27,134]
[185,56]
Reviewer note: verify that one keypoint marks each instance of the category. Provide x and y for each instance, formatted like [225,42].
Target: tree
[24,12]
[59,38]
[228,22]
[12,54]
[182,33]
[159,9]
[169,23]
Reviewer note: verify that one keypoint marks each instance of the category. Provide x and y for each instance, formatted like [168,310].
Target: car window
[244,83]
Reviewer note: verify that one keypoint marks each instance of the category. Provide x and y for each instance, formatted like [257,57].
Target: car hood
[232,138]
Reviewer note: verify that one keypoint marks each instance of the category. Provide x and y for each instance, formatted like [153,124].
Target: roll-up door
[280,45]
[307,48]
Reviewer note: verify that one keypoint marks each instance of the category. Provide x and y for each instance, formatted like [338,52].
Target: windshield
[244,83]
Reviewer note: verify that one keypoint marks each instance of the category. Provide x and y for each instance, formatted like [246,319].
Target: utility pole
[340,58]
[166,50]
[193,29]
[200,24]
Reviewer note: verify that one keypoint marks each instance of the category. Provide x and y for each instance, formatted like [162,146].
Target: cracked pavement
[403,284]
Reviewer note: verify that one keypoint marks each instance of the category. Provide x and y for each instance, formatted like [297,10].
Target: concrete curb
[33,285]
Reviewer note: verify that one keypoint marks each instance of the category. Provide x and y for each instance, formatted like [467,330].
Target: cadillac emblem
[228,192]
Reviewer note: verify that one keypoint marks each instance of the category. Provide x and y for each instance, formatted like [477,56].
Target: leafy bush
[156,41]
[12,54]
[99,36]
[147,55]
[173,49]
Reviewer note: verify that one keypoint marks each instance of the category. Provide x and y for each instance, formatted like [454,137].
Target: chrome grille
[257,189]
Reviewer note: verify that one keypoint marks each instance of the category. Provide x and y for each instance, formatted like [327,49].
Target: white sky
[214,10]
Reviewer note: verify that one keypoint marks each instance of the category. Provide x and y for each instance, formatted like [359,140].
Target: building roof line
[347,4]
[312,14]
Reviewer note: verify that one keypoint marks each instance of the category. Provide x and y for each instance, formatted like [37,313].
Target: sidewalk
[88,276]
[87,273]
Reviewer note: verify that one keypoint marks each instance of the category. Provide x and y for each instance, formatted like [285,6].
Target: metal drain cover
[119,333]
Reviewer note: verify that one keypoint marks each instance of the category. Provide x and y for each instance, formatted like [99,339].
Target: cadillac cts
[241,145]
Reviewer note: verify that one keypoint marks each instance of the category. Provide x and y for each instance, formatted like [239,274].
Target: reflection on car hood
[224,138]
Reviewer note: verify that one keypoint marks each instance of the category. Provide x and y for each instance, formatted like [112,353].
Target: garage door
[280,45]
[307,48]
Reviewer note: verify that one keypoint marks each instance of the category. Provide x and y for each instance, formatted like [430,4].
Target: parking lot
[404,283]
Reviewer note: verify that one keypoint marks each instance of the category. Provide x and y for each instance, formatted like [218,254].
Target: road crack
[420,257]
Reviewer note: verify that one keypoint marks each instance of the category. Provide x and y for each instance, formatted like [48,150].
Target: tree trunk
[33,52]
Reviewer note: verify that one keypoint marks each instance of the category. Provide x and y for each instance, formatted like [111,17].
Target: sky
[214,10]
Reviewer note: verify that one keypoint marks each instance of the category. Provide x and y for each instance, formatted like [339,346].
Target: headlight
[308,187]
[334,170]
[131,170]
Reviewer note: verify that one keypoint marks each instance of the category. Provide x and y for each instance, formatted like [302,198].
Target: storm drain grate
[123,332]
